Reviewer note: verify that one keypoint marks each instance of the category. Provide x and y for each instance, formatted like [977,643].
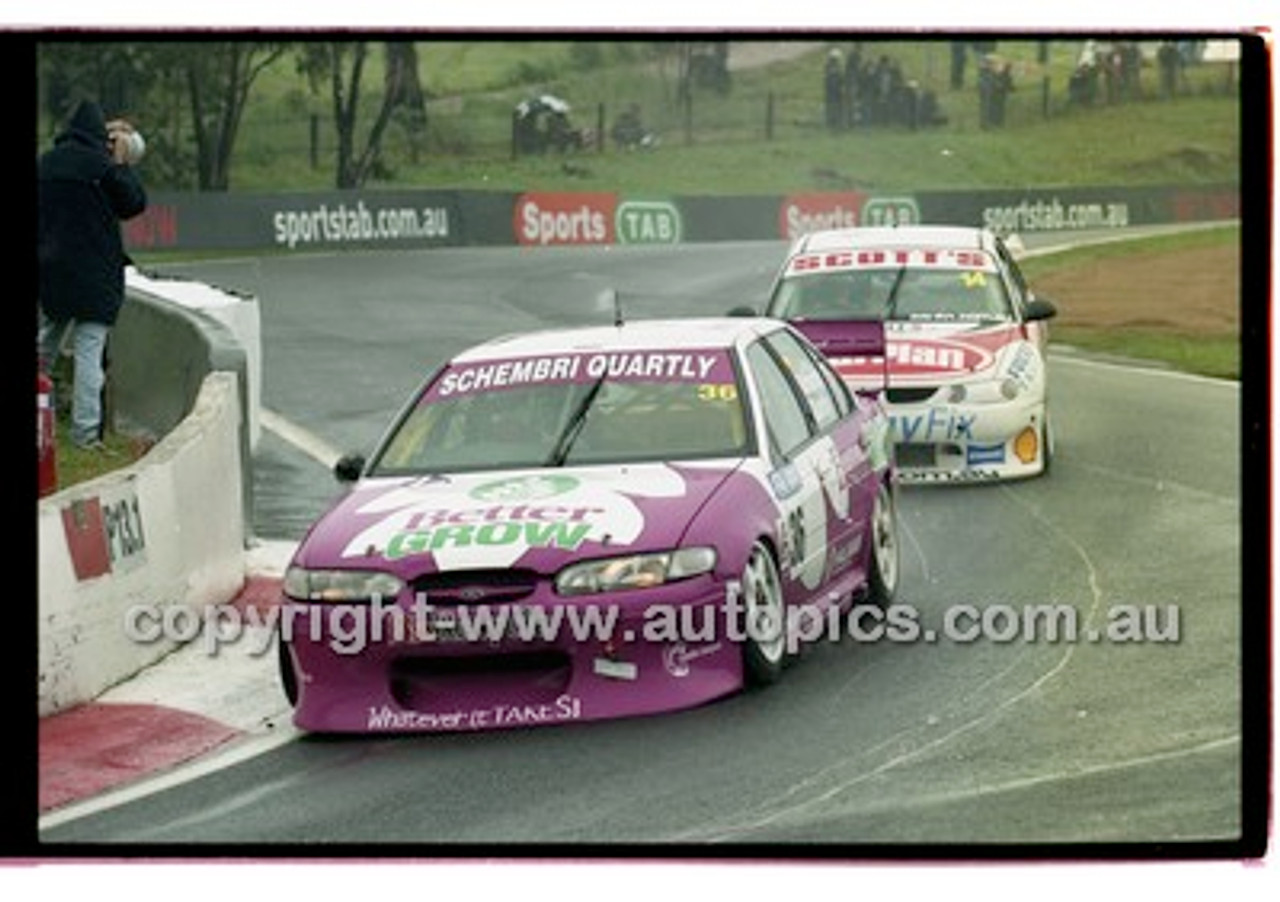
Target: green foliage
[77,465]
[1084,257]
[1207,355]
[1216,355]
[717,144]
[586,55]
[526,72]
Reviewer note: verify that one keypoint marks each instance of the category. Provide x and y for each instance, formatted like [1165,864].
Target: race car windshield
[929,295]
[606,420]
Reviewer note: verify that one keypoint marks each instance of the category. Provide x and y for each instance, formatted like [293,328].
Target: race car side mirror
[1040,308]
[742,310]
[348,467]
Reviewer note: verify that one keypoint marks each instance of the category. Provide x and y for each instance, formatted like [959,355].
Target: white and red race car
[965,342]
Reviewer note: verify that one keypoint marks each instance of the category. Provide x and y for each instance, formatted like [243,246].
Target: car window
[807,377]
[854,294]
[1018,284]
[932,295]
[497,414]
[839,388]
[785,418]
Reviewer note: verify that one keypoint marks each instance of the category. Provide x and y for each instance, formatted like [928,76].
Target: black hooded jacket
[83,195]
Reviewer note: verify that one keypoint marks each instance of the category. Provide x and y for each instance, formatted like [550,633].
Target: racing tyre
[288,677]
[765,642]
[882,580]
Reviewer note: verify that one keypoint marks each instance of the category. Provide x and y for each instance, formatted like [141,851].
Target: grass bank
[766,134]
[1175,299]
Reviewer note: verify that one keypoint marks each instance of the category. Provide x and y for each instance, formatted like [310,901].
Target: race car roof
[930,236]
[654,334]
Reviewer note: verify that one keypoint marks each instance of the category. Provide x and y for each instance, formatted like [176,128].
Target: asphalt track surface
[869,747]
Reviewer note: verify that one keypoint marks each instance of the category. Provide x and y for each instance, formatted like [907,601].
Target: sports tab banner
[331,220]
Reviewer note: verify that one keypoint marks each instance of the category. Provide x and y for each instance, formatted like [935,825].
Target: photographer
[86,186]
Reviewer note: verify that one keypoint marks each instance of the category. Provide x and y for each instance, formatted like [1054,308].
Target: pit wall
[169,532]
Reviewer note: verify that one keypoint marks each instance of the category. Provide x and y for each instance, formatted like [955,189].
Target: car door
[837,456]
[812,496]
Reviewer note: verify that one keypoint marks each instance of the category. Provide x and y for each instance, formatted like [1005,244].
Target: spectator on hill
[888,84]
[959,59]
[628,130]
[929,113]
[1000,92]
[1170,62]
[833,90]
[1082,88]
[995,81]
[853,87]
[1130,71]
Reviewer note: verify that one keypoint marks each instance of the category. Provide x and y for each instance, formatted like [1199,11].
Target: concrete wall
[171,333]
[168,531]
[151,346]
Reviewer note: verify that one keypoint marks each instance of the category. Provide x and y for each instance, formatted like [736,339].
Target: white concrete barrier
[167,532]
[239,313]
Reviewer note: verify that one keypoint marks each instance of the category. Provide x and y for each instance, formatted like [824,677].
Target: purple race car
[591,523]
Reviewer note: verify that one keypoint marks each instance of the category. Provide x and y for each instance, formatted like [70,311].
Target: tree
[138,80]
[404,90]
[342,63]
[219,78]
[115,75]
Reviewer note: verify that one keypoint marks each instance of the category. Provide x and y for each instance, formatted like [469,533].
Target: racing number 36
[711,392]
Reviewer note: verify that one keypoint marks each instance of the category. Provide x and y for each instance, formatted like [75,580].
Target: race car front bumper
[969,443]
[408,680]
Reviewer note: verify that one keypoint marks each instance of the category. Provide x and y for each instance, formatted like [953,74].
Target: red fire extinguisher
[46,435]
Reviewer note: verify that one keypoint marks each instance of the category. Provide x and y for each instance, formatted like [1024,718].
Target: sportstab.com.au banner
[334,220]
[298,222]
[1069,209]
[341,224]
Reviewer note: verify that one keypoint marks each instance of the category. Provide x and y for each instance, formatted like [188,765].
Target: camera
[134,145]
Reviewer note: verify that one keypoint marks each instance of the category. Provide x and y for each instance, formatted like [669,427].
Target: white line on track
[1133,233]
[301,438]
[1203,748]
[726,832]
[1159,485]
[915,545]
[1057,776]
[1141,370]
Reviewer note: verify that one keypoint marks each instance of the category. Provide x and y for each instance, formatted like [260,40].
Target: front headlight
[339,585]
[636,571]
